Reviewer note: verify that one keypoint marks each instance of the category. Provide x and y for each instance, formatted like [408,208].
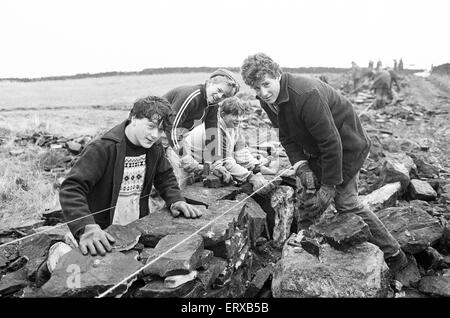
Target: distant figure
[379,65]
[394,78]
[400,65]
[395,65]
[381,85]
[356,76]
[323,78]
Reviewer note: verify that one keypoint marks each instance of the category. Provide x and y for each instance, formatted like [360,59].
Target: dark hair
[232,105]
[256,66]
[154,108]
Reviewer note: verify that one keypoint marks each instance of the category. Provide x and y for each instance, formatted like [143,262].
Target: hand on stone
[320,201]
[188,210]
[95,240]
[223,173]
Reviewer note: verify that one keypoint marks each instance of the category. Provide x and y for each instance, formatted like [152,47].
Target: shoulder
[183,93]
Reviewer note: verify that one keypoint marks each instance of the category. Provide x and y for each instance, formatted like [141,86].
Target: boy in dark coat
[115,175]
[324,140]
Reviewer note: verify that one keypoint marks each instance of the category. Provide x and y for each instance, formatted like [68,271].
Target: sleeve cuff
[299,163]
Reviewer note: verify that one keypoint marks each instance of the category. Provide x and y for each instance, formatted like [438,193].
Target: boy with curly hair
[324,140]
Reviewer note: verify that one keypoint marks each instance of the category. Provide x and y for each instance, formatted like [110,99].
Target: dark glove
[317,204]
[95,240]
[307,178]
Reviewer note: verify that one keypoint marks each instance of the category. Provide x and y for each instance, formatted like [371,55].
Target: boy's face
[145,131]
[231,120]
[268,88]
[217,92]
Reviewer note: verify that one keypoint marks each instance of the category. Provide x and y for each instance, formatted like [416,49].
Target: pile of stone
[46,140]
[225,253]
[334,258]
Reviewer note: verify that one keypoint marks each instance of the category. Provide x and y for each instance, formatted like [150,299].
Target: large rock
[282,201]
[359,272]
[435,285]
[412,227]
[126,237]
[216,224]
[421,190]
[342,231]
[78,275]
[393,170]
[13,282]
[383,197]
[182,259]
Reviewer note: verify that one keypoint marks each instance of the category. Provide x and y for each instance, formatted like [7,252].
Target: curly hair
[232,105]
[154,108]
[256,66]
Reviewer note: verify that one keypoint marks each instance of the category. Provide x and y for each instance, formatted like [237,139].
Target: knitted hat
[227,74]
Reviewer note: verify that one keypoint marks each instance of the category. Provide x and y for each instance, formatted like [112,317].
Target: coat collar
[283,96]
[117,133]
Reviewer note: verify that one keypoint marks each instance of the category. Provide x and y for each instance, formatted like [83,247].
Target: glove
[307,178]
[189,211]
[317,204]
[260,184]
[95,240]
[223,173]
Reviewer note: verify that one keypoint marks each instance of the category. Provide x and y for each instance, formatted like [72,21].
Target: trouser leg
[347,201]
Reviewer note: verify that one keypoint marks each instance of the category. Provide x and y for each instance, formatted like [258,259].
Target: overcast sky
[65,37]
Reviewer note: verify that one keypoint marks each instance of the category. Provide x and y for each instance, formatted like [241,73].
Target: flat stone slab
[421,190]
[359,272]
[412,227]
[156,289]
[126,237]
[197,192]
[383,197]
[342,231]
[77,275]
[435,285]
[217,221]
[181,260]
[13,282]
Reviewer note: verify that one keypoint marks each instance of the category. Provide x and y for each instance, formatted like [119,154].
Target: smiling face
[231,120]
[217,92]
[144,132]
[268,88]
